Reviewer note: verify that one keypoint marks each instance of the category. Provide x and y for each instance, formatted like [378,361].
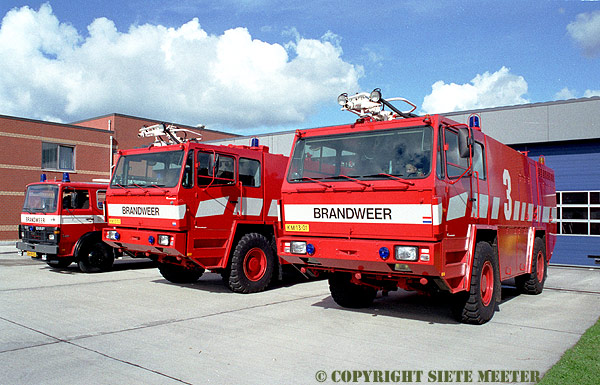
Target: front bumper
[37,248]
[137,241]
[363,256]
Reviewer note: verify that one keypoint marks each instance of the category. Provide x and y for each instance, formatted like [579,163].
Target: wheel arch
[89,238]
[541,233]
[490,235]
[244,228]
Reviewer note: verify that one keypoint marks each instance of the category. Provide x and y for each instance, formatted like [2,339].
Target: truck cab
[397,200]
[194,207]
[61,223]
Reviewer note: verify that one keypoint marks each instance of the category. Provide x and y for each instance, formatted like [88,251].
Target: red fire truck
[192,206]
[61,223]
[422,203]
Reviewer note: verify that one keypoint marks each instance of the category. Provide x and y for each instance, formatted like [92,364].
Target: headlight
[342,99]
[298,247]
[51,237]
[405,253]
[113,235]
[164,240]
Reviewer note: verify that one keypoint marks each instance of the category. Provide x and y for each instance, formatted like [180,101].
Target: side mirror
[73,200]
[465,143]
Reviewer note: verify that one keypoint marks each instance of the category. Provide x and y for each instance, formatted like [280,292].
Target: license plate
[32,254]
[297,227]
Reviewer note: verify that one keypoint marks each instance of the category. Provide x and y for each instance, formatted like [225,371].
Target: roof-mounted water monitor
[372,106]
[165,135]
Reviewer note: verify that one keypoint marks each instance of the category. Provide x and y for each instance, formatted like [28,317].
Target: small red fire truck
[192,206]
[422,203]
[61,223]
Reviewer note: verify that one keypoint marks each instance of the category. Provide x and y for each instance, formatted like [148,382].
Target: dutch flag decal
[427,220]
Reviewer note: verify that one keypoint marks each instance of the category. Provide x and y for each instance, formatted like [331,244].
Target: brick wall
[21,161]
[21,155]
[126,129]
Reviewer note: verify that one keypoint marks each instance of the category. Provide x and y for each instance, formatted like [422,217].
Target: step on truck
[193,207]
[423,203]
[62,222]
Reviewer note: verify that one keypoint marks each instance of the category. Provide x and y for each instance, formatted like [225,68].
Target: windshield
[41,199]
[403,153]
[156,169]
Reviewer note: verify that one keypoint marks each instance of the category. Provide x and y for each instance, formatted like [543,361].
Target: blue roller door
[577,170]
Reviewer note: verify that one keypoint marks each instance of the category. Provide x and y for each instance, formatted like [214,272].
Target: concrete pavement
[130,326]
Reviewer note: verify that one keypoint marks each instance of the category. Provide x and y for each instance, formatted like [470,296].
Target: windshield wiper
[138,186]
[392,177]
[159,186]
[350,178]
[312,180]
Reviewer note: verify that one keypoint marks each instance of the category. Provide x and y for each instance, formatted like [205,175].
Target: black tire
[534,283]
[278,270]
[179,274]
[347,294]
[479,304]
[96,257]
[252,264]
[60,263]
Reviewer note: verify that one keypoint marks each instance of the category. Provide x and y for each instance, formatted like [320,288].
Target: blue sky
[256,66]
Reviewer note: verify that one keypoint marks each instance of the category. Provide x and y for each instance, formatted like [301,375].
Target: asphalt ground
[130,326]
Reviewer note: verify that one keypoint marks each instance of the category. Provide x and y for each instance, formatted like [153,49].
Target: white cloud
[590,93]
[179,74]
[500,88]
[565,94]
[585,30]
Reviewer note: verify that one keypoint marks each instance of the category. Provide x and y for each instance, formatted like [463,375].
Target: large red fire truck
[61,223]
[194,207]
[422,203]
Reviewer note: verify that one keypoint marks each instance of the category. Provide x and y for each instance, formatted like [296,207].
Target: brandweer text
[379,213]
[132,210]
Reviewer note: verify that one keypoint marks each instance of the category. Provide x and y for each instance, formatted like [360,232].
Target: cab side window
[439,164]
[249,172]
[188,172]
[215,172]
[225,170]
[479,160]
[75,199]
[100,198]
[455,165]
[204,164]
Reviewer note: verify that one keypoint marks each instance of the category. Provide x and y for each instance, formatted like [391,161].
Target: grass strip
[580,364]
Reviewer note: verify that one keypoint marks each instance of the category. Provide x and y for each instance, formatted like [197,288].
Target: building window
[58,157]
[578,212]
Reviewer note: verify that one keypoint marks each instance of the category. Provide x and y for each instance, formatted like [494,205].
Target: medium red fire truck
[422,203]
[61,223]
[194,206]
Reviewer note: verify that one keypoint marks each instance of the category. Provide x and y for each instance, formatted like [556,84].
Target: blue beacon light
[384,253]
